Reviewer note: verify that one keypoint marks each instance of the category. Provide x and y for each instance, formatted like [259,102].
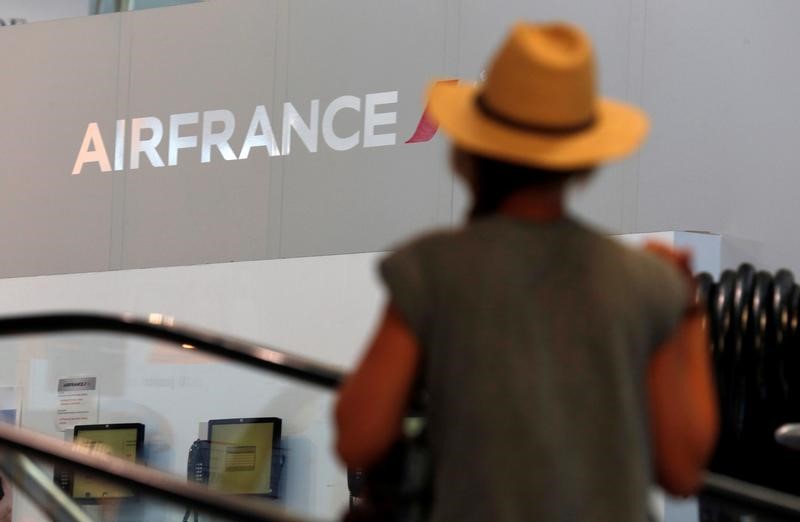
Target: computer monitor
[243,456]
[119,440]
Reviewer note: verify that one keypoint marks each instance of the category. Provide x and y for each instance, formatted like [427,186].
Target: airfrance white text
[217,127]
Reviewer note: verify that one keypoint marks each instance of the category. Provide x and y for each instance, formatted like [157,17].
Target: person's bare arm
[683,407]
[682,398]
[6,505]
[372,402]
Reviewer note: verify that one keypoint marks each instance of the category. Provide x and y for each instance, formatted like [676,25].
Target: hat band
[488,111]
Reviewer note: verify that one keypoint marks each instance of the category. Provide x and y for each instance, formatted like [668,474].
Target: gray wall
[721,84]
[716,77]
[25,11]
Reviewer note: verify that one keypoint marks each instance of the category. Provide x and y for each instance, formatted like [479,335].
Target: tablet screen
[123,441]
[241,455]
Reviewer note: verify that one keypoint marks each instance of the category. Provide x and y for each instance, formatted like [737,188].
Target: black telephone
[197,468]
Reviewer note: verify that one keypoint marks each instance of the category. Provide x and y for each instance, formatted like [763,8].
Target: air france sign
[208,134]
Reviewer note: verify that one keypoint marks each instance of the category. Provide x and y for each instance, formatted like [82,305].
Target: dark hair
[495,180]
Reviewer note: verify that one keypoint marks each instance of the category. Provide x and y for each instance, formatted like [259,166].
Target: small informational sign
[9,405]
[77,402]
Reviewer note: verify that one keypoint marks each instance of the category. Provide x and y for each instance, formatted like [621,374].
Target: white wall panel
[57,77]
[720,85]
[197,212]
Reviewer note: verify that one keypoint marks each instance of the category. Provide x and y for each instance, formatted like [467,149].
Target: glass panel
[27,501]
[111,6]
[241,430]
[19,12]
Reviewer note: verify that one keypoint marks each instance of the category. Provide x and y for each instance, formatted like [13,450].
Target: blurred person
[564,371]
[6,499]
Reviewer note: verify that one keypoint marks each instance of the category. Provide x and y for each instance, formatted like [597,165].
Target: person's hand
[681,259]
[6,502]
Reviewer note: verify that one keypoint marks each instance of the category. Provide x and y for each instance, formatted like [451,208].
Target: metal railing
[18,445]
[29,478]
[18,441]
[751,501]
[164,329]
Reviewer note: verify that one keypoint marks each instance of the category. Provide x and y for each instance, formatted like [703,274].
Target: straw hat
[538,106]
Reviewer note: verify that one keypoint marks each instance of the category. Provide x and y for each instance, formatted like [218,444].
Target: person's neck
[536,204]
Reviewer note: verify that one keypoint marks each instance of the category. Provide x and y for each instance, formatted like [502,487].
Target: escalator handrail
[140,478]
[163,328]
[751,496]
[40,489]
[166,487]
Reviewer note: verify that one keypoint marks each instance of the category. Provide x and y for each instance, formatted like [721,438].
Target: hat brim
[617,131]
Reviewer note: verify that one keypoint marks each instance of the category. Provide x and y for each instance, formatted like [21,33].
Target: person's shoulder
[410,269]
[607,246]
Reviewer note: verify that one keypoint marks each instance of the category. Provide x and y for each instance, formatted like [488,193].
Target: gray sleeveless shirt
[535,340]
